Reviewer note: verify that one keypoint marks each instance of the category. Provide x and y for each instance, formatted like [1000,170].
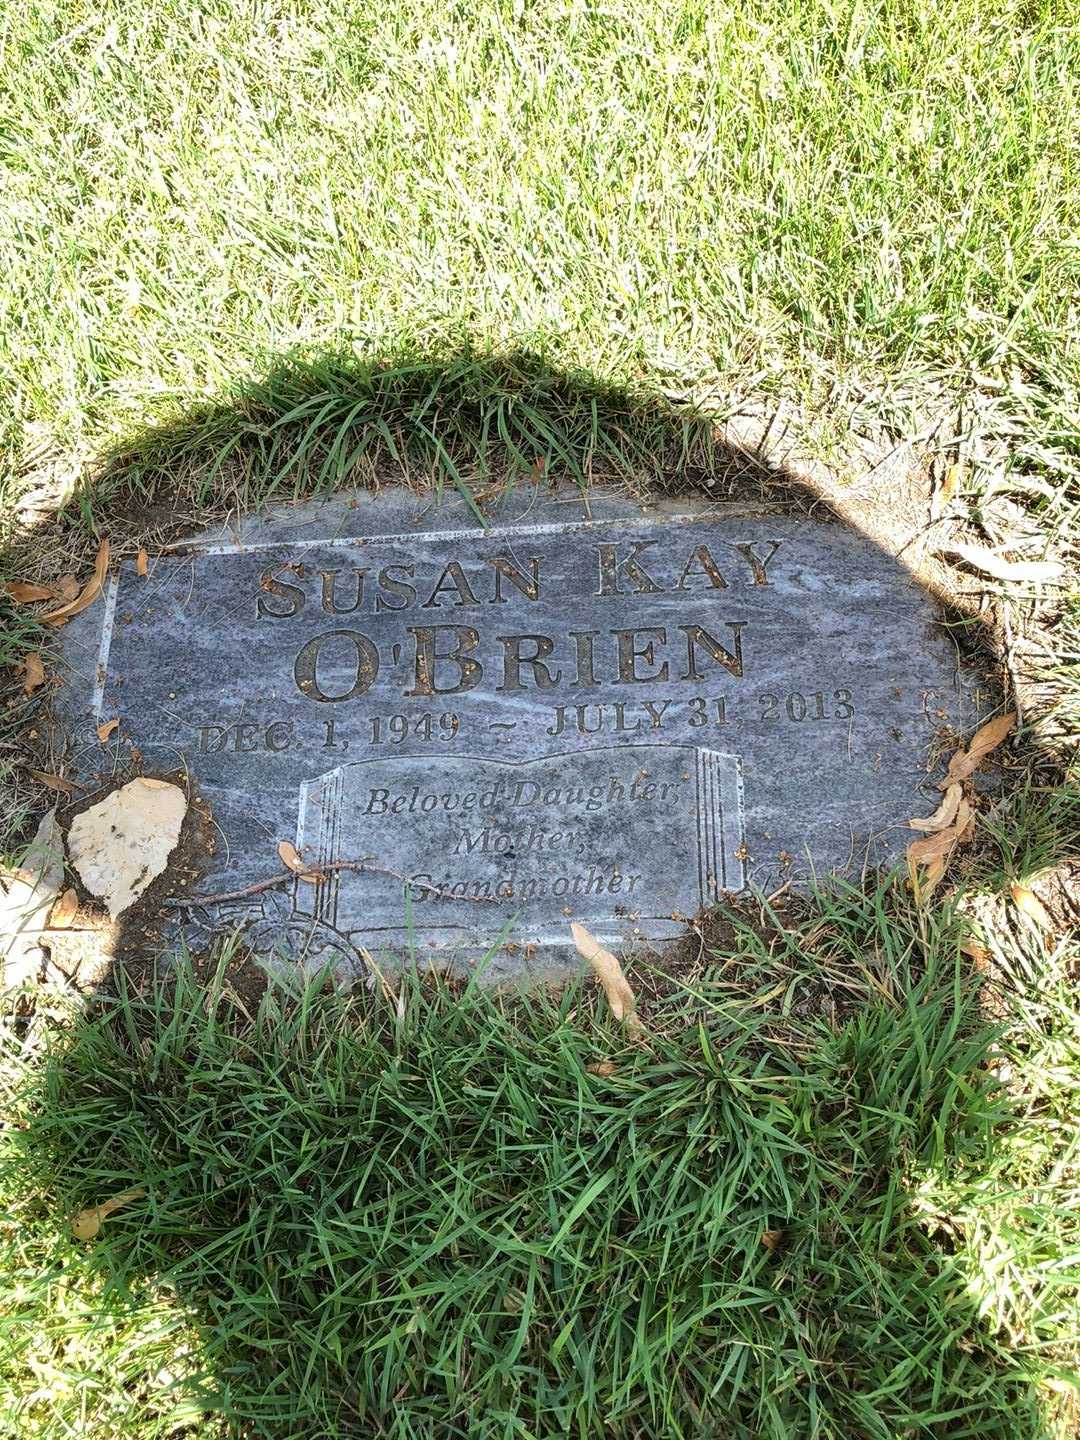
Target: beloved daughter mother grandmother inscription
[612,716]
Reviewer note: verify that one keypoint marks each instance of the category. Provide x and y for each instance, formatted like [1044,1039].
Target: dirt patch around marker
[761,458]
[136,936]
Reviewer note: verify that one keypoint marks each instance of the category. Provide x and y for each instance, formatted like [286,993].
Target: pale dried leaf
[64,911]
[290,858]
[943,842]
[87,1223]
[34,670]
[978,952]
[105,729]
[601,1067]
[1035,571]
[22,591]
[987,738]
[1027,901]
[66,588]
[932,877]
[54,782]
[943,815]
[141,563]
[620,997]
[88,595]
[152,783]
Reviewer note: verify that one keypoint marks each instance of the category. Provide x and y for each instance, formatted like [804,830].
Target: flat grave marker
[613,715]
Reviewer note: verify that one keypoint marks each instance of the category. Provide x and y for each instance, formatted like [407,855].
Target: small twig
[319,873]
[1010,664]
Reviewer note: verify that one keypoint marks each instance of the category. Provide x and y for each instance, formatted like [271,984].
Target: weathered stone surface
[607,715]
[122,843]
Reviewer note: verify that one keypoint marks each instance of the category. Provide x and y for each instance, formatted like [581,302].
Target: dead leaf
[985,739]
[620,997]
[943,815]
[950,483]
[152,784]
[977,952]
[105,729]
[602,1067]
[141,563]
[34,670]
[89,594]
[932,877]
[22,592]
[931,847]
[1027,901]
[54,782]
[290,858]
[1036,571]
[66,588]
[87,1223]
[64,911]
[771,1239]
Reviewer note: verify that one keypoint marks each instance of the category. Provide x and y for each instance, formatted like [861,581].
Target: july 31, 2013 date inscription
[618,717]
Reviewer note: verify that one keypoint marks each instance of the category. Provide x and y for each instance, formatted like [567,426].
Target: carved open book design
[480,842]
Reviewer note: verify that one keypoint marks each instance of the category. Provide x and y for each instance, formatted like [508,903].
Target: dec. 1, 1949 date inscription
[614,717]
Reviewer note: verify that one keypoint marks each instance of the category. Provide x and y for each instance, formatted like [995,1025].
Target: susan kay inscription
[444,659]
[613,717]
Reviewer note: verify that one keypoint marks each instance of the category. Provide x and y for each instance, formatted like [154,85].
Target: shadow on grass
[420,1212]
[435,1212]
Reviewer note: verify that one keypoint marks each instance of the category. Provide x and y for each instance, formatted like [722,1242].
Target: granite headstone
[581,711]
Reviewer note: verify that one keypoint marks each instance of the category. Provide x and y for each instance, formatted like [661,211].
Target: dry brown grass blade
[55,782]
[23,592]
[606,967]
[988,737]
[1033,571]
[105,729]
[89,593]
[1029,903]
[141,562]
[943,815]
[290,858]
[34,671]
[64,911]
[87,1223]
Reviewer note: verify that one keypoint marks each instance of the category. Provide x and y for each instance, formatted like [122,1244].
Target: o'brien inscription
[613,718]
[445,659]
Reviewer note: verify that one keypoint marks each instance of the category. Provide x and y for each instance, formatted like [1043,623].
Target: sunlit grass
[840,202]
[425,1216]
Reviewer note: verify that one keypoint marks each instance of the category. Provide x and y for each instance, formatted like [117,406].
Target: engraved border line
[101,671]
[413,537]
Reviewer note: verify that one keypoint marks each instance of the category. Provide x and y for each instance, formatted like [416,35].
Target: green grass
[872,208]
[423,1215]
[248,251]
